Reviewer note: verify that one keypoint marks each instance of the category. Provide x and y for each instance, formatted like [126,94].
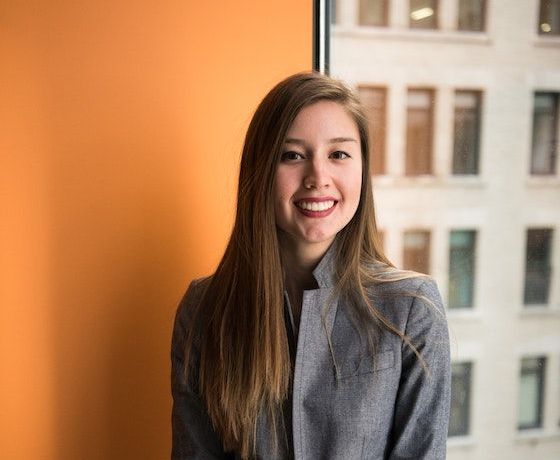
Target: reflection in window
[374,103]
[545,128]
[419,129]
[461,268]
[471,15]
[467,132]
[549,17]
[531,393]
[460,399]
[423,14]
[374,12]
[538,266]
[417,251]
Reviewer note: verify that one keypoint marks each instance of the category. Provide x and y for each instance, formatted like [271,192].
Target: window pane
[466,142]
[461,268]
[373,12]
[538,266]
[545,140]
[549,17]
[460,399]
[471,15]
[419,132]
[531,389]
[423,14]
[417,251]
[374,103]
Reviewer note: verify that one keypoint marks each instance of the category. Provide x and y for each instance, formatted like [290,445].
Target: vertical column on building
[396,130]
[448,11]
[398,14]
[443,123]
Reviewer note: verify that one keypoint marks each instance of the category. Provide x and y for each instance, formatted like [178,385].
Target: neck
[299,261]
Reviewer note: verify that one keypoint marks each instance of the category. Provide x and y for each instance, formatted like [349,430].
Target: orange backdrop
[121,125]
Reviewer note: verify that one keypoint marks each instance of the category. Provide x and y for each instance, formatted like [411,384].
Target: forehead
[324,118]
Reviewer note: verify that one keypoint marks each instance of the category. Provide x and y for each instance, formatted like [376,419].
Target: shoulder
[190,300]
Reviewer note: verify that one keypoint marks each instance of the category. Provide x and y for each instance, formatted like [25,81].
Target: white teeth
[316,206]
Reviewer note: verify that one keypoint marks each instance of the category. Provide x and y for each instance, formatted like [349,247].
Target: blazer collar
[324,272]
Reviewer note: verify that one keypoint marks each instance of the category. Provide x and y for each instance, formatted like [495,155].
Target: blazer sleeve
[193,437]
[422,407]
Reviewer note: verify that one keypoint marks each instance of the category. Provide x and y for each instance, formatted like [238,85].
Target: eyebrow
[334,140]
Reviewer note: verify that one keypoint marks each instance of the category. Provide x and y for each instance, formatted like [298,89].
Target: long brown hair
[238,326]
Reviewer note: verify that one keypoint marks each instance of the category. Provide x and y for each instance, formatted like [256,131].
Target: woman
[306,342]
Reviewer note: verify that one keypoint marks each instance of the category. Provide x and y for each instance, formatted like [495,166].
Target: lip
[316,214]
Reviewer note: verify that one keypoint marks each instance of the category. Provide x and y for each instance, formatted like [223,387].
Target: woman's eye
[290,156]
[338,155]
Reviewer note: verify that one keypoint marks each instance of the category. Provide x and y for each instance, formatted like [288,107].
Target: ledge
[427,180]
[543,181]
[540,310]
[547,41]
[536,435]
[392,33]
[460,441]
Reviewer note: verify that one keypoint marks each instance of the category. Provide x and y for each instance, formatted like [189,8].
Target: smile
[315,206]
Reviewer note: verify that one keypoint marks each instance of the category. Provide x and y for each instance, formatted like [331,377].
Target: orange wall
[121,125]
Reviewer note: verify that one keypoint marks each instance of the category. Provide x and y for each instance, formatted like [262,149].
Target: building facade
[463,101]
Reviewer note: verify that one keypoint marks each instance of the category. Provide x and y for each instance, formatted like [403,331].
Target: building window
[545,129]
[531,393]
[374,101]
[461,268]
[374,13]
[417,251]
[466,143]
[459,419]
[424,14]
[419,131]
[471,15]
[538,266]
[549,17]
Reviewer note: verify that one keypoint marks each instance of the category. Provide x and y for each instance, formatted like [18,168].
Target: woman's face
[319,177]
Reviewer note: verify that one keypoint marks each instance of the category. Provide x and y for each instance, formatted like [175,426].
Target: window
[471,15]
[459,419]
[419,132]
[531,393]
[461,268]
[423,14]
[333,4]
[545,128]
[466,143]
[549,17]
[374,13]
[537,266]
[417,251]
[374,103]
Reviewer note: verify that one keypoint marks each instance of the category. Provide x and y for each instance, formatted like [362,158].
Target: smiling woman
[306,342]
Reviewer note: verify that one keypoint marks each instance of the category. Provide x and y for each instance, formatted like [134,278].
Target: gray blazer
[388,407]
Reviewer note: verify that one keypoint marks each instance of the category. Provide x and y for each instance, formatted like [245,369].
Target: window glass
[461,268]
[374,103]
[537,266]
[545,133]
[471,15]
[374,12]
[460,399]
[419,125]
[531,389]
[549,17]
[424,14]
[466,139]
[417,251]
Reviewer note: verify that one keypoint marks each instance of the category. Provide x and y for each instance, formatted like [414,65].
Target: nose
[317,175]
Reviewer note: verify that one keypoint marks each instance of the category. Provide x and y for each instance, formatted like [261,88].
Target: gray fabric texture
[386,406]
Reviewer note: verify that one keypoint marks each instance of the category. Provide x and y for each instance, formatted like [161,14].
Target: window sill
[535,435]
[547,41]
[460,441]
[463,314]
[539,310]
[427,180]
[543,181]
[435,35]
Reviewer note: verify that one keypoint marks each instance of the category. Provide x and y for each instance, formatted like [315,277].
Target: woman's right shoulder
[192,297]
